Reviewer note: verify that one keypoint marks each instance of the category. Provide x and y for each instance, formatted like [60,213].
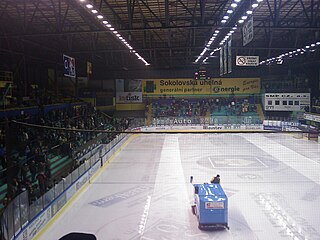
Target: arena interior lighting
[227,17]
[99,16]
[298,52]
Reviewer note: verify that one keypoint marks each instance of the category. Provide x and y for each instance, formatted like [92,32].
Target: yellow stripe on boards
[74,197]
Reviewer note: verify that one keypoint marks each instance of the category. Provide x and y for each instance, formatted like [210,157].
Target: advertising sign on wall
[69,66]
[184,86]
[129,97]
[247,31]
[128,91]
[312,117]
[229,56]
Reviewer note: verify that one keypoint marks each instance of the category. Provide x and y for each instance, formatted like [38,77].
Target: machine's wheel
[193,208]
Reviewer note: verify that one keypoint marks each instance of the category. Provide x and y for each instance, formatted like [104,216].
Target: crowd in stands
[180,107]
[30,148]
[315,105]
[298,84]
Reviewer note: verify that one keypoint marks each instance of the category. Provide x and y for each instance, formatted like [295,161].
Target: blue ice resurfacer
[210,205]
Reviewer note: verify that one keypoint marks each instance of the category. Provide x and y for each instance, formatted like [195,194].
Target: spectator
[42,182]
[33,170]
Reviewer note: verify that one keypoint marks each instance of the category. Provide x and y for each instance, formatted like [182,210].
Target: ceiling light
[230,11]
[105,22]
[313,45]
[216,31]
[89,6]
[255,5]
[223,21]
[115,32]
[249,12]
[94,11]
[100,16]
[237,0]
[241,21]
[244,17]
[259,0]
[111,28]
[234,5]
[225,17]
[307,47]
[317,43]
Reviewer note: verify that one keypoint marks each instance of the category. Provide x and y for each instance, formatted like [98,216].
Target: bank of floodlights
[291,54]
[228,15]
[99,16]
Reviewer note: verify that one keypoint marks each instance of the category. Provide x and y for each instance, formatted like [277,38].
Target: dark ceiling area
[166,34]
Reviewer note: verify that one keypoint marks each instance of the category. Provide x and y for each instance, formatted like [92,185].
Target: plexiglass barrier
[21,220]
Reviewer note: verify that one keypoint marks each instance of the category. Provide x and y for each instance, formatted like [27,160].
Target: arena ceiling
[162,33]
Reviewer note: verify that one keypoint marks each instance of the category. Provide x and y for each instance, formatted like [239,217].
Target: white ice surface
[272,182]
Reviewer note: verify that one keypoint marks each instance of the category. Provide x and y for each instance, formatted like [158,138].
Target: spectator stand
[213,110]
[17,219]
[48,151]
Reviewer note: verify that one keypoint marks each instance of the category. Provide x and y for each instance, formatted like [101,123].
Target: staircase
[260,112]
[148,115]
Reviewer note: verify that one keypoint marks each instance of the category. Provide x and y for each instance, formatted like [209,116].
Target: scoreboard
[296,102]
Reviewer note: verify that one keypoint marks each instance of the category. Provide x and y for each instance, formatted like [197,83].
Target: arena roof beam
[130,7]
[305,12]
[202,10]
[186,8]
[118,18]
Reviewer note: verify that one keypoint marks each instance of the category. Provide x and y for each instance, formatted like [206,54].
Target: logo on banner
[129,97]
[69,64]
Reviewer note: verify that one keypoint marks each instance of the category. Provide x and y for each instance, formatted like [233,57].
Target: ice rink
[272,182]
